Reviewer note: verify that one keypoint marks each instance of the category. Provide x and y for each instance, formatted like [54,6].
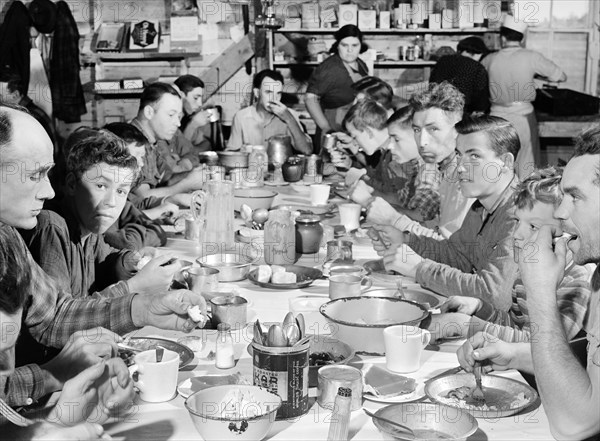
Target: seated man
[67,242]
[267,117]
[535,200]
[435,111]
[195,124]
[101,389]
[570,391]
[400,177]
[477,260]
[51,315]
[169,164]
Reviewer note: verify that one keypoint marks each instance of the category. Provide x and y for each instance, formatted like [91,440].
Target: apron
[522,117]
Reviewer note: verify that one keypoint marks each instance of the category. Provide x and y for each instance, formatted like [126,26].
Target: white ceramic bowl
[428,421]
[206,410]
[253,197]
[360,321]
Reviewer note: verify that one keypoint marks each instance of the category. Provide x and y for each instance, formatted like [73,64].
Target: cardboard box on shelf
[348,14]
[367,19]
[384,19]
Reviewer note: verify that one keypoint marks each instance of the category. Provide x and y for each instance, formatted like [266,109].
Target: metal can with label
[410,53]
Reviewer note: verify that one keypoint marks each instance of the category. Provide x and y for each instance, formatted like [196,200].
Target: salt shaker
[340,418]
[224,351]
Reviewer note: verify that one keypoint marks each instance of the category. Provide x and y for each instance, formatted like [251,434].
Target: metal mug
[232,310]
[202,280]
[339,249]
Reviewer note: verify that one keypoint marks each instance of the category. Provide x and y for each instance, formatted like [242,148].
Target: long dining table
[171,421]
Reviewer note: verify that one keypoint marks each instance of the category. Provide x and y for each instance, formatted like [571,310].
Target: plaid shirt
[50,317]
[572,297]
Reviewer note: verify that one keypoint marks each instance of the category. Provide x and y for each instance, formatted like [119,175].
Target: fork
[477,394]
[13,416]
[400,287]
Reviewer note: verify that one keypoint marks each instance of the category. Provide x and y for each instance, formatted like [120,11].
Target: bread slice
[385,384]
[283,277]
[264,273]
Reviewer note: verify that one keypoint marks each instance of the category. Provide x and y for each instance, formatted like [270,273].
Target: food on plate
[384,384]
[323,359]
[195,313]
[275,274]
[495,399]
[240,403]
[195,343]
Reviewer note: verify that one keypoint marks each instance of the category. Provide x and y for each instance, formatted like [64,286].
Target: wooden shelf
[145,56]
[119,92]
[380,64]
[392,31]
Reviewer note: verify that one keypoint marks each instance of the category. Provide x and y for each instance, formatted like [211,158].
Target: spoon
[276,337]
[126,347]
[407,432]
[301,325]
[258,333]
[292,333]
[160,351]
[477,398]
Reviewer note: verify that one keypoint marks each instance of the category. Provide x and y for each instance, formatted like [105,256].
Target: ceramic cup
[319,194]
[348,285]
[403,347]
[156,381]
[201,280]
[349,216]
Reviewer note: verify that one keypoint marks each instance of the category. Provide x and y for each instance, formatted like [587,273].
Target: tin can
[314,165]
[283,371]
[410,53]
[333,377]
[402,53]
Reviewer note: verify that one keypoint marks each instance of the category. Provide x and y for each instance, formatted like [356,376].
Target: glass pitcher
[213,206]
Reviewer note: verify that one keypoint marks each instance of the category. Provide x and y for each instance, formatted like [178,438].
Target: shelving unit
[391,31]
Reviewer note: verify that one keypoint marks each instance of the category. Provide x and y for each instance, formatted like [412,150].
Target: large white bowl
[255,198]
[205,408]
[360,321]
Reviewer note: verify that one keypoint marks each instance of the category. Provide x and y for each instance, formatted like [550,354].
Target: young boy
[477,260]
[400,177]
[535,201]
[67,242]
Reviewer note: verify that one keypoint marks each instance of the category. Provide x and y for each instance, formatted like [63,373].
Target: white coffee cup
[156,381]
[403,347]
[319,193]
[350,216]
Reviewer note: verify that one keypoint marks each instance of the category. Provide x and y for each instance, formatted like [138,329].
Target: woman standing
[329,94]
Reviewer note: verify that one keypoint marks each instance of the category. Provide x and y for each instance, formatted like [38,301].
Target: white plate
[417,394]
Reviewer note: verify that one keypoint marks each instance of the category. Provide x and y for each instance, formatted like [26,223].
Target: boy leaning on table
[477,260]
[51,316]
[89,392]
[67,241]
[535,201]
[570,392]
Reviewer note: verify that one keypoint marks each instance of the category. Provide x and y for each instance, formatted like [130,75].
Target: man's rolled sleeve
[24,387]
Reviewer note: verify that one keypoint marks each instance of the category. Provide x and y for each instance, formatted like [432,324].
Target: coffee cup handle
[134,373]
[426,335]
[367,286]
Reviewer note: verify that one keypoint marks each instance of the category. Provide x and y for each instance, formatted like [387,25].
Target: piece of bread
[283,277]
[385,384]
[277,269]
[264,273]
[195,313]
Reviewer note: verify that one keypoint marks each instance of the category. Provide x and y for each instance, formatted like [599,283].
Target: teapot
[279,148]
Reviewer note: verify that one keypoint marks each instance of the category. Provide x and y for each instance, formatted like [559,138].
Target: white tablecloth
[171,421]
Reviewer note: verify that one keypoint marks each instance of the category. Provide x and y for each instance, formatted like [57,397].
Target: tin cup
[192,228]
[231,310]
[202,280]
[333,377]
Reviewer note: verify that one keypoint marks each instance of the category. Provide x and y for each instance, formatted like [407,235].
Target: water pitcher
[213,206]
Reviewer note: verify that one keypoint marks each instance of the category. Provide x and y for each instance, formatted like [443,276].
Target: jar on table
[280,238]
[309,233]
[259,158]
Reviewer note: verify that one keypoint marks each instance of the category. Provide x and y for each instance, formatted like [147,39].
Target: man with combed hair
[52,315]
[570,392]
